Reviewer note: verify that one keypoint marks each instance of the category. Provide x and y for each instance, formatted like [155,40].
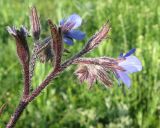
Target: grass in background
[66,103]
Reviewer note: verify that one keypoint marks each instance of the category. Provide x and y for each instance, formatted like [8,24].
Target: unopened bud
[98,37]
[21,43]
[35,23]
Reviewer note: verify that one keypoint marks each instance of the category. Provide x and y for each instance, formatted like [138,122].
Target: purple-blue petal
[130,52]
[76,34]
[24,30]
[120,55]
[130,69]
[74,19]
[62,21]
[124,77]
[117,76]
[131,64]
[68,41]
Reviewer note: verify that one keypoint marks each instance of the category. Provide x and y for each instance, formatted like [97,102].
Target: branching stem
[26,100]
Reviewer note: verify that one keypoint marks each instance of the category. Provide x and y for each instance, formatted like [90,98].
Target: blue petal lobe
[131,64]
[130,69]
[125,78]
[130,52]
[120,55]
[68,41]
[62,21]
[76,34]
[75,19]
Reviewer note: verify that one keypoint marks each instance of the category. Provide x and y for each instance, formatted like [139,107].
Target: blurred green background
[66,103]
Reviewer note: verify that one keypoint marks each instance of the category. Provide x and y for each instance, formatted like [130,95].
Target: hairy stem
[26,81]
[52,75]
[38,90]
[16,115]
[33,61]
[23,103]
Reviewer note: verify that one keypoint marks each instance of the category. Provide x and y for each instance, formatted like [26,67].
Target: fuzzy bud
[98,37]
[57,44]
[35,23]
[21,43]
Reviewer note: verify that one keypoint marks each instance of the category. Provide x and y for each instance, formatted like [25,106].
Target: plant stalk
[14,118]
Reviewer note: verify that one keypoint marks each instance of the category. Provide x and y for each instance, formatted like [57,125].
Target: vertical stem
[33,61]
[14,118]
[26,81]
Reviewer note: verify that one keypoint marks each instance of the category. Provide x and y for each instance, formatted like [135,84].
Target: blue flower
[130,64]
[69,30]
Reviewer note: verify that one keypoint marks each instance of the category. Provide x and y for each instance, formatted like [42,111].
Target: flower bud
[35,23]
[98,37]
[21,43]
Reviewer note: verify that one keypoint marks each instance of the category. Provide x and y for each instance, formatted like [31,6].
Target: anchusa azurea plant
[52,49]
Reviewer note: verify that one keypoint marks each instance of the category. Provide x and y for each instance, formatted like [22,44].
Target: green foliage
[66,103]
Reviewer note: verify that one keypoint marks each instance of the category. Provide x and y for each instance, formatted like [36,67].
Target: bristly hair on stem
[36,30]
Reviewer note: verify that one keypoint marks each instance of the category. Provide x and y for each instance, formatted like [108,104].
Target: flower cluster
[69,34]
[89,69]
